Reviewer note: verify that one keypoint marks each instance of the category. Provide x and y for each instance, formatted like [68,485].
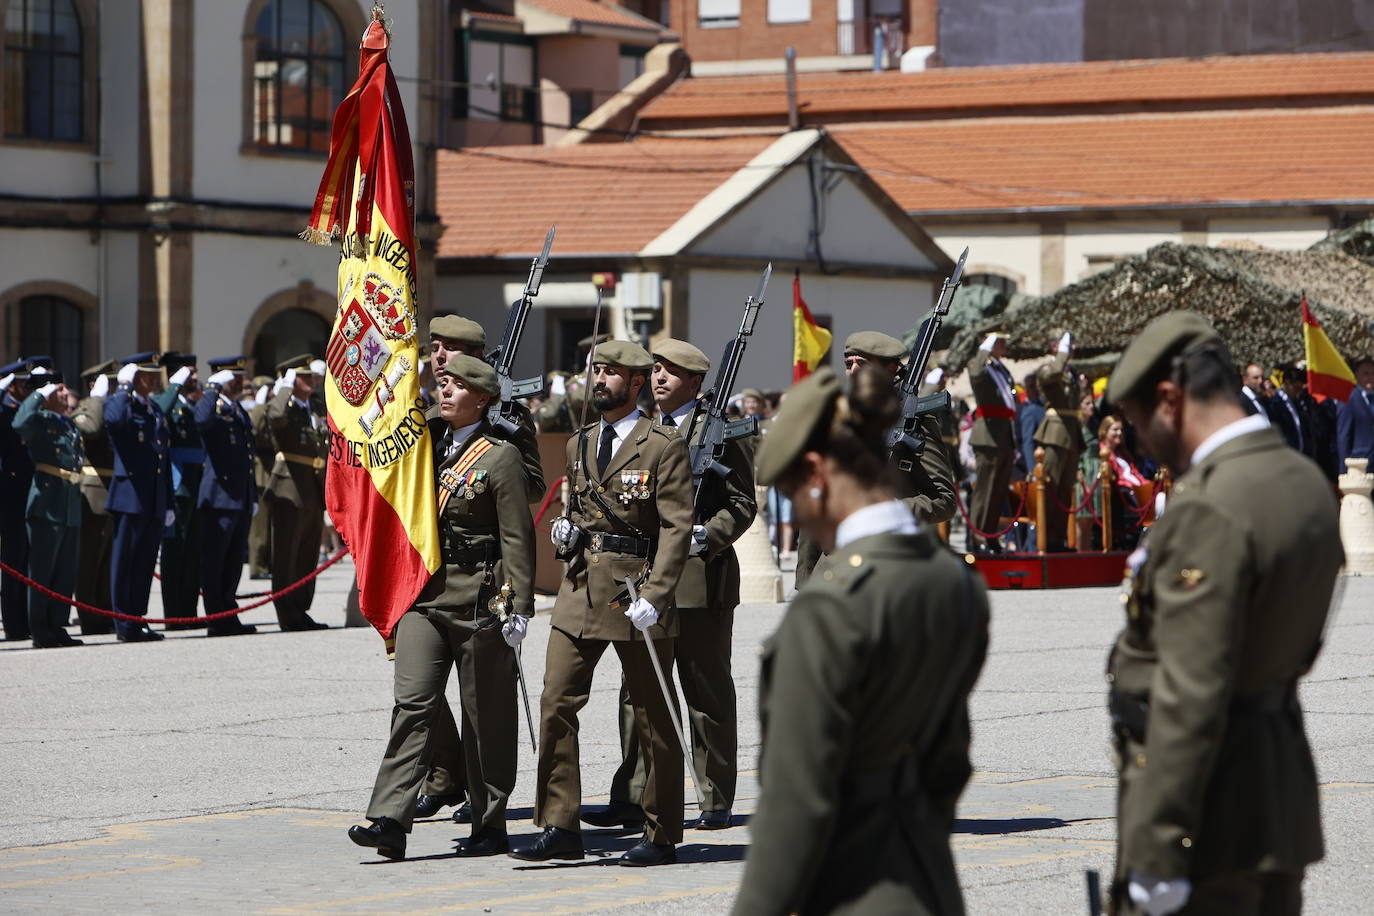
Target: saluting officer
[706,597]
[180,568]
[1061,435]
[487,537]
[54,506]
[141,493]
[97,528]
[228,494]
[630,515]
[301,435]
[260,529]
[1217,801]
[993,439]
[16,473]
[863,693]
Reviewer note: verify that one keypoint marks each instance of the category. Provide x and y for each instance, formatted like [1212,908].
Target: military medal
[643,491]
[479,486]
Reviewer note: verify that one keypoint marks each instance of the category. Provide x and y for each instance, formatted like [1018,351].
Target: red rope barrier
[1015,516]
[1087,497]
[548,499]
[208,618]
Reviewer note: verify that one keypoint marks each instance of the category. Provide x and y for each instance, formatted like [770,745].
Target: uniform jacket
[928,488]
[230,480]
[142,469]
[297,482]
[16,467]
[711,579]
[525,440]
[1297,433]
[1355,428]
[1061,427]
[497,519]
[1228,606]
[52,438]
[989,432]
[865,734]
[187,449]
[89,418]
[595,579]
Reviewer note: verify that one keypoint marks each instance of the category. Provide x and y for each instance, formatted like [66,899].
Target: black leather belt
[600,542]
[1130,712]
[470,556]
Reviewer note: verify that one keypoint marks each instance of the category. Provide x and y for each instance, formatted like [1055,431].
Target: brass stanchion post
[1105,485]
[1042,533]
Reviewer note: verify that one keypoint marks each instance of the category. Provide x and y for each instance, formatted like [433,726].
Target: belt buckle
[598,539]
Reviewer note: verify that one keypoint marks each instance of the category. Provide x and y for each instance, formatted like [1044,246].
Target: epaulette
[843,571]
[666,432]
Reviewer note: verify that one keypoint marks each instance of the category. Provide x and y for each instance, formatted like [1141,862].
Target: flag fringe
[357,245]
[316,237]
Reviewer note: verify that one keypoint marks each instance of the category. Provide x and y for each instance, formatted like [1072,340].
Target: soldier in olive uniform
[260,529]
[1217,807]
[54,506]
[1061,435]
[97,529]
[301,435]
[180,566]
[563,413]
[630,516]
[487,537]
[16,474]
[993,438]
[706,597]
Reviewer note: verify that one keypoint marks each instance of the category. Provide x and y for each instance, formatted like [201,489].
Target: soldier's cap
[260,380]
[237,364]
[874,344]
[808,404]
[300,363]
[147,361]
[751,393]
[458,329]
[109,367]
[26,366]
[172,360]
[681,353]
[13,368]
[1144,362]
[46,377]
[1292,372]
[592,340]
[624,354]
[474,372]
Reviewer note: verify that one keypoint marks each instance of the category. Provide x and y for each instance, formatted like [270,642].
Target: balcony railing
[859,36]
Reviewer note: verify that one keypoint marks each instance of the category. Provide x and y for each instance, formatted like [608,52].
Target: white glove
[261,396]
[559,385]
[934,375]
[1157,896]
[127,373]
[514,629]
[221,378]
[698,544]
[180,376]
[642,614]
[6,382]
[101,386]
[286,381]
[986,345]
[564,534]
[169,518]
[46,390]
[1065,343]
[318,367]
[256,507]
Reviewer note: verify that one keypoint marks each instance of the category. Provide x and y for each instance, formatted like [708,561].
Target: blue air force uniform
[16,472]
[180,565]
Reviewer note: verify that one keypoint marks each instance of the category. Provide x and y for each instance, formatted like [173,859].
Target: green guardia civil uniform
[1224,614]
[97,529]
[1061,435]
[180,563]
[260,528]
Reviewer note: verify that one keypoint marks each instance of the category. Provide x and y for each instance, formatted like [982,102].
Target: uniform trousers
[93,576]
[1238,893]
[296,532]
[568,670]
[1061,473]
[702,653]
[180,568]
[428,644]
[223,536]
[53,561]
[14,552]
[993,467]
[137,536]
[447,766]
[260,539]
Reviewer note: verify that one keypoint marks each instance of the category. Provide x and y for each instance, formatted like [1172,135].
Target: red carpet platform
[1051,570]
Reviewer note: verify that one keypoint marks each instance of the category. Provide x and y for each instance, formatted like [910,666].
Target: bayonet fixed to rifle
[502,413]
[707,451]
[904,442]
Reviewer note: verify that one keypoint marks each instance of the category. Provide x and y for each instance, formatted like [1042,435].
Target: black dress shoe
[646,854]
[143,635]
[714,820]
[46,644]
[430,805]
[463,814]
[553,843]
[383,833]
[486,843]
[231,627]
[303,624]
[64,640]
[616,814]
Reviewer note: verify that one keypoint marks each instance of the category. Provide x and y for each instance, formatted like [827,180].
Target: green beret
[874,344]
[300,363]
[681,353]
[751,393]
[477,374]
[458,329]
[1163,339]
[109,367]
[809,403]
[624,354]
[590,340]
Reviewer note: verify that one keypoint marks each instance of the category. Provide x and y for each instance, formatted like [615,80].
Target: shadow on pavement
[981,826]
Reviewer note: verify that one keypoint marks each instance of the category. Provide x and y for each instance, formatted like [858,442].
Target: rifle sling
[597,498]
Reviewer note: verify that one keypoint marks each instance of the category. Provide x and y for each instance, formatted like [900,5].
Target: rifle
[904,442]
[502,411]
[706,452]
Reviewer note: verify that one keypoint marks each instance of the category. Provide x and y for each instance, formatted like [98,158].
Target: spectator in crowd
[1127,481]
[1029,413]
[1252,391]
[1355,419]
[1286,415]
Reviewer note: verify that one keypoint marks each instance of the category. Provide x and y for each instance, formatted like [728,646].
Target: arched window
[42,79]
[298,74]
[53,326]
[287,334]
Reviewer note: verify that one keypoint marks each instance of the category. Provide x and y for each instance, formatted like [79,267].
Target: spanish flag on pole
[1327,373]
[810,341]
[380,482]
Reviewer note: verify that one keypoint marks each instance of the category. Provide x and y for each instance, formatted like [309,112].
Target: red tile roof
[606,198]
[964,91]
[597,12]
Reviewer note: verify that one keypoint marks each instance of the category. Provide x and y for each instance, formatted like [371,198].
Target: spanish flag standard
[810,341]
[380,482]
[1327,373]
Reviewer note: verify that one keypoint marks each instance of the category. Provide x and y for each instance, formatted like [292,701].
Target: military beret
[875,344]
[1164,338]
[172,360]
[591,340]
[147,361]
[809,403]
[109,367]
[232,363]
[459,329]
[751,393]
[476,373]
[624,354]
[300,363]
[681,353]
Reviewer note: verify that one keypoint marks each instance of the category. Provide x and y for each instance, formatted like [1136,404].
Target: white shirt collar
[682,412]
[623,426]
[890,517]
[457,437]
[1224,435]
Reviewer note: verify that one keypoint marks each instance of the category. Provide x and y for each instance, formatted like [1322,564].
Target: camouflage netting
[1251,295]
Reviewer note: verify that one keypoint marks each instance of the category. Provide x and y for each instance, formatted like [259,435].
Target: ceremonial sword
[500,608]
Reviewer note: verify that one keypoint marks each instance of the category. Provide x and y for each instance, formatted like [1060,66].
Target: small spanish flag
[1327,373]
[810,341]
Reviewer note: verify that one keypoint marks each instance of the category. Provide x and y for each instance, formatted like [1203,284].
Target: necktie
[603,454]
[668,420]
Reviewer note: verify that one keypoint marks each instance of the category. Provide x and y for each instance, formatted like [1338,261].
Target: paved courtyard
[220,775]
